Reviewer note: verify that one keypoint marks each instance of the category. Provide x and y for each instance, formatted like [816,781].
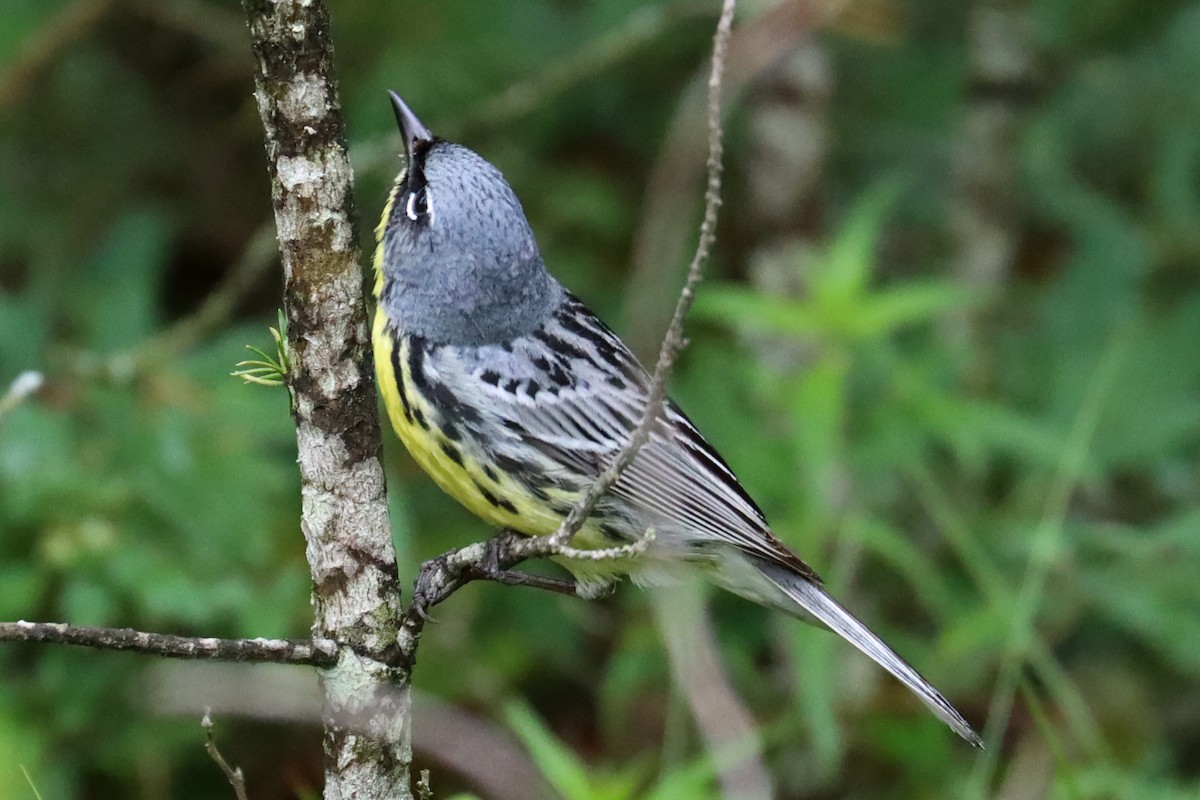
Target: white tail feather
[817,602]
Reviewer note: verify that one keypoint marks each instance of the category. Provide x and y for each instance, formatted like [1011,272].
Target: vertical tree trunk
[344,515]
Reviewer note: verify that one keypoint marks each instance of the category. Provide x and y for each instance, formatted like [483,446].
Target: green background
[997,470]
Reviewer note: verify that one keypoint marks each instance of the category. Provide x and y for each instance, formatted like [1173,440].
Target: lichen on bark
[356,599]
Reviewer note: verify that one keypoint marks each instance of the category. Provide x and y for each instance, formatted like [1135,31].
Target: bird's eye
[417,205]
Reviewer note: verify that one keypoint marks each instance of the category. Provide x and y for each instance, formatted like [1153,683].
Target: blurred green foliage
[1002,479]
[573,779]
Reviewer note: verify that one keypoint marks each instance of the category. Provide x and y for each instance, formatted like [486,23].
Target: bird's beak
[416,135]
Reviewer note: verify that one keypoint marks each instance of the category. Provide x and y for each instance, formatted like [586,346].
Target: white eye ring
[410,208]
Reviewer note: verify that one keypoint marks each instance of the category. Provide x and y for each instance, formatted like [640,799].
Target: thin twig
[317,653]
[442,576]
[234,774]
[676,174]
[122,367]
[630,550]
[673,342]
[640,29]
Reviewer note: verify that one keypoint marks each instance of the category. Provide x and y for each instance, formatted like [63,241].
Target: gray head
[458,260]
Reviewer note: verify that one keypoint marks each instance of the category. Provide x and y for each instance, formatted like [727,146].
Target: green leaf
[753,311]
[268,370]
[817,669]
[564,770]
[908,304]
[118,304]
[690,782]
[24,20]
[1164,611]
[844,272]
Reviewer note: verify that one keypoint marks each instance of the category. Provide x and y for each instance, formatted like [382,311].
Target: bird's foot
[490,569]
[440,577]
[435,582]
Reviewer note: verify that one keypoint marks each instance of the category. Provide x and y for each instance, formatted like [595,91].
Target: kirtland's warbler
[514,397]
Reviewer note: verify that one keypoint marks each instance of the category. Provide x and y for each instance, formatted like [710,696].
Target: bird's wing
[575,392]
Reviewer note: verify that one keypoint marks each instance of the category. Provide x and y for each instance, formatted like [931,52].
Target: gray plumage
[469,271]
[523,378]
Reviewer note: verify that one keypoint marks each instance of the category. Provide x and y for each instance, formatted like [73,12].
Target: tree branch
[356,596]
[312,652]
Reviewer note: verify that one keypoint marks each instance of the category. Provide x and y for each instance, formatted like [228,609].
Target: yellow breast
[457,467]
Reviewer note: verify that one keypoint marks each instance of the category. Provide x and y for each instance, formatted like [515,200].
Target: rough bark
[344,511]
[320,653]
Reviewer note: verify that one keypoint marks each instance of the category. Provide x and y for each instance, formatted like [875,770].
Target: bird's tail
[817,602]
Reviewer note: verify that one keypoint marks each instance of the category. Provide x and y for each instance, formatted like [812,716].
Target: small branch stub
[233,774]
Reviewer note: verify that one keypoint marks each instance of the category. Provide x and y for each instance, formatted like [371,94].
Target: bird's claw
[429,588]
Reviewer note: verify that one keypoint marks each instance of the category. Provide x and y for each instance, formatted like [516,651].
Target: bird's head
[457,259]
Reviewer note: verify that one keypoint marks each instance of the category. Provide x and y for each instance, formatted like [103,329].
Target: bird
[514,397]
